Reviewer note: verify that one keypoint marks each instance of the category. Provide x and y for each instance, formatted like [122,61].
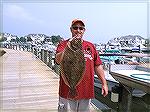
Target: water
[140,100]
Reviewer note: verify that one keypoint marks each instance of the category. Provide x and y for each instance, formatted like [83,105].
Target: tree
[17,39]
[56,39]
[2,38]
[22,39]
[29,39]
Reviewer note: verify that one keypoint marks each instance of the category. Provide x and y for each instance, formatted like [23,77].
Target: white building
[36,38]
[9,36]
[126,41]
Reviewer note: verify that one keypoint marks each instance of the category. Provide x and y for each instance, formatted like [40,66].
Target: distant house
[36,38]
[100,47]
[127,42]
[9,36]
[47,39]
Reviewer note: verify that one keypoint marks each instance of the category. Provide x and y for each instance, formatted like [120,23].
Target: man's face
[77,30]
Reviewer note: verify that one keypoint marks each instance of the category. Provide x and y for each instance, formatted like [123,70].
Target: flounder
[73,66]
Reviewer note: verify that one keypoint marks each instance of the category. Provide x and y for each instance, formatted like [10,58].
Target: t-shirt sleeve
[61,46]
[97,60]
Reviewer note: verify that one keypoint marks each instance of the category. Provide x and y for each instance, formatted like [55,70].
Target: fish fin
[72,93]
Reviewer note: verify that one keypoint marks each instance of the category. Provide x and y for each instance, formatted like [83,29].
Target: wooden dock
[27,84]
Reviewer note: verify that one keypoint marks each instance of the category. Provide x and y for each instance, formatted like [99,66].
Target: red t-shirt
[85,88]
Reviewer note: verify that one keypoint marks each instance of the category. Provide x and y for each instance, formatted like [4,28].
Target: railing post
[42,55]
[15,46]
[50,59]
[28,48]
[19,47]
[35,51]
[32,49]
[45,57]
[57,68]
[39,53]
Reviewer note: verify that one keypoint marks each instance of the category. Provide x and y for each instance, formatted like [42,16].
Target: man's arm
[100,73]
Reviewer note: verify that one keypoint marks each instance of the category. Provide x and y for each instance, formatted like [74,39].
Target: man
[86,86]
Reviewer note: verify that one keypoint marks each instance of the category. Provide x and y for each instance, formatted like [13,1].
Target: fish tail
[72,93]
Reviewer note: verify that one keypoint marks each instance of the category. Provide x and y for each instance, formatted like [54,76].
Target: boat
[133,76]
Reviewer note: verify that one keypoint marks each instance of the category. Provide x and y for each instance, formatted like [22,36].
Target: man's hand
[76,36]
[100,73]
[104,90]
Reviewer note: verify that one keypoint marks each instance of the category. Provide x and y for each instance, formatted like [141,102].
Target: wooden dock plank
[27,83]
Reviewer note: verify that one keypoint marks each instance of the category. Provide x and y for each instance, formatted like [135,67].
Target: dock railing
[48,57]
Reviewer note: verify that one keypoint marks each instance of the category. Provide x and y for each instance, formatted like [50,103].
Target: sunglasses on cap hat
[76,27]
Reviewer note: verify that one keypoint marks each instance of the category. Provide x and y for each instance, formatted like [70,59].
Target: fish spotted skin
[73,66]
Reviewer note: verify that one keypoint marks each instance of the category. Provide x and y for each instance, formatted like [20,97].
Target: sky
[103,20]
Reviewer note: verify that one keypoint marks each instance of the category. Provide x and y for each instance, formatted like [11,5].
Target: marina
[131,85]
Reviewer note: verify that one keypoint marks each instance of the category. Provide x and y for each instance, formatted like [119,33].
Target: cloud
[19,13]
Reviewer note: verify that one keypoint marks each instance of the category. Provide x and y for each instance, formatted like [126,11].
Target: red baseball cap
[77,20]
